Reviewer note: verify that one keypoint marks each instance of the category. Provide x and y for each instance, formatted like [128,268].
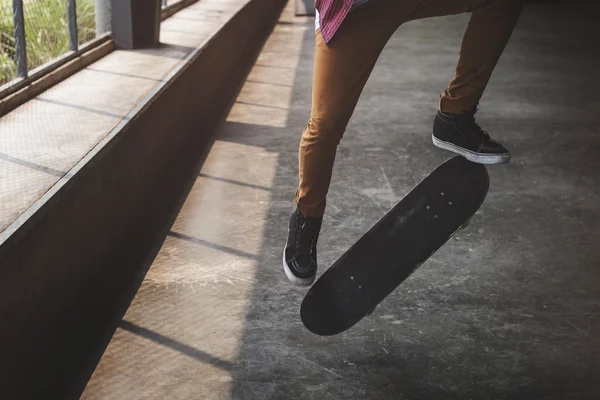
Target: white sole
[471,155]
[290,275]
[293,278]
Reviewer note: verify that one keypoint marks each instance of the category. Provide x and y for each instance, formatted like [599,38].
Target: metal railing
[37,33]
[39,36]
[21,42]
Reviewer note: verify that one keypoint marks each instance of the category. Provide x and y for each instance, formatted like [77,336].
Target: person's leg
[341,69]
[490,27]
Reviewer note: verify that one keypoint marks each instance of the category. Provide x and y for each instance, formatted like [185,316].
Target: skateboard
[403,239]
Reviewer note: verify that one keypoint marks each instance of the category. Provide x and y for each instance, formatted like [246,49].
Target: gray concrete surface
[507,310]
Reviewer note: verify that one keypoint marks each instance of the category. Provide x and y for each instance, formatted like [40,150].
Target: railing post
[72,14]
[136,23]
[21,47]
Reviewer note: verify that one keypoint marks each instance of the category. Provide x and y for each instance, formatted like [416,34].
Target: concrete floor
[507,310]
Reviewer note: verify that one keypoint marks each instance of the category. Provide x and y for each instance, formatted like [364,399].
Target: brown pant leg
[489,30]
[342,68]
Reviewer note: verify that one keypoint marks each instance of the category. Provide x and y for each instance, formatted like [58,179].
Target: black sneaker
[460,134]
[300,253]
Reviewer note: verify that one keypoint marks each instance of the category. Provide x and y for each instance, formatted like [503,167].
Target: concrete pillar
[102,14]
[136,23]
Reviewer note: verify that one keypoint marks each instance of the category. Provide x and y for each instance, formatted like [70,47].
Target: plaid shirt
[331,14]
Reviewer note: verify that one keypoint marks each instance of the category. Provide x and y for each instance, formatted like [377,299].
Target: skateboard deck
[404,238]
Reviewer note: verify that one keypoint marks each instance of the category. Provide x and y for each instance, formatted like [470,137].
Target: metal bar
[164,3]
[72,11]
[21,46]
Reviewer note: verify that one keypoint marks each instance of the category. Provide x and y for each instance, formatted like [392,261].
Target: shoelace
[471,123]
[487,141]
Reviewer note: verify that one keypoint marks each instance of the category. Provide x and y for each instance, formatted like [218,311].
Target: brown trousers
[343,66]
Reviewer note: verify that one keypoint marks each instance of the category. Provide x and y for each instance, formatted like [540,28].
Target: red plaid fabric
[331,14]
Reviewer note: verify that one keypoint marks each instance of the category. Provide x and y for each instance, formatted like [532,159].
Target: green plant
[86,23]
[8,65]
[46,32]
